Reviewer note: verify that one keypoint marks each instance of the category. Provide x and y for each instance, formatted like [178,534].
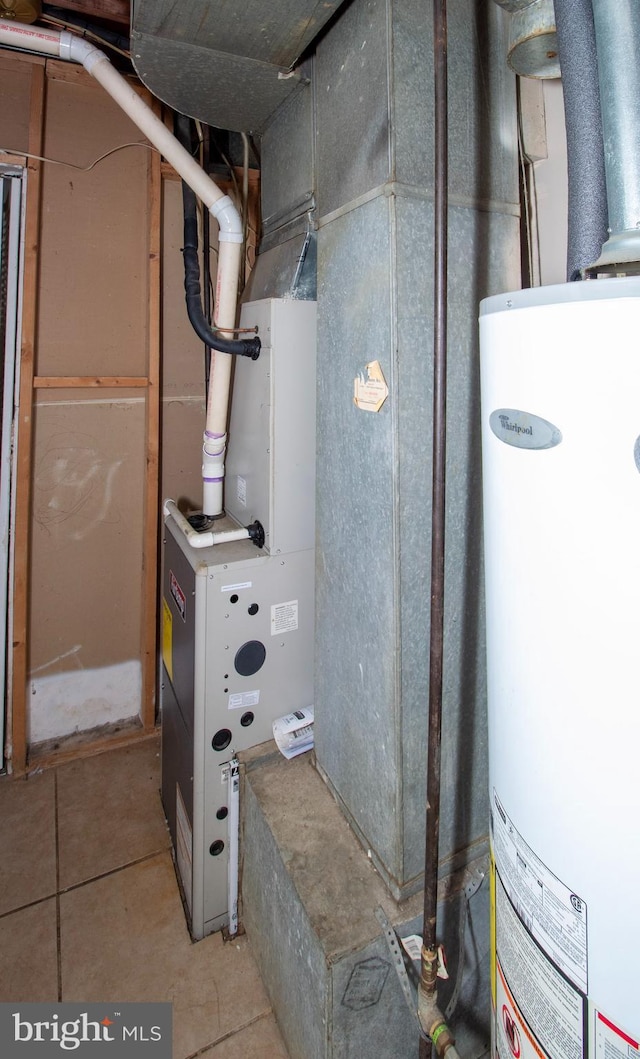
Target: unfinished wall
[183,363]
[88,294]
[183,381]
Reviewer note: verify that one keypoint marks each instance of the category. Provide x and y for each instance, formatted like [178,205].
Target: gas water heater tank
[560,371]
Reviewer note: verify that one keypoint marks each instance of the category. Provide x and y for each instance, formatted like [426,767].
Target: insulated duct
[585,149]
[617,34]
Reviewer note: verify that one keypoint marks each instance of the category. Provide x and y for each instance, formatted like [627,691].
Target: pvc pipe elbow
[78,50]
[228,220]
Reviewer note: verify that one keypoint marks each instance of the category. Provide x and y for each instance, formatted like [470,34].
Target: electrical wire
[82,32]
[72,165]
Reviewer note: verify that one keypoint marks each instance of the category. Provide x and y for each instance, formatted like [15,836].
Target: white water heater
[561,455]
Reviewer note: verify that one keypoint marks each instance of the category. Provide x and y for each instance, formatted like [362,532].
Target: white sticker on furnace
[241,699]
[554,915]
[284,617]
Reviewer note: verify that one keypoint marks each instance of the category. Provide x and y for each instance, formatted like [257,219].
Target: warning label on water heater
[549,1010]
[554,915]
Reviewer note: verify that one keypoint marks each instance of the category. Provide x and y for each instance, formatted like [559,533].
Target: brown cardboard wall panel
[88,481]
[93,265]
[182,428]
[183,373]
[183,352]
[15,80]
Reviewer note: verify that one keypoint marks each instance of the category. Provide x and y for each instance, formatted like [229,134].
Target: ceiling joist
[112,10]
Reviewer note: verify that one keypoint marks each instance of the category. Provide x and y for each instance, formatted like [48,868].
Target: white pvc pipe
[67,46]
[202,540]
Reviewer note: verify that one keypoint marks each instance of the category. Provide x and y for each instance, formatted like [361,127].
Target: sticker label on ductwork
[552,913]
[524,430]
[370,389]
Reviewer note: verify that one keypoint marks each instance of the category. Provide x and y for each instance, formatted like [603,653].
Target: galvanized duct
[585,150]
[533,49]
[230,65]
[617,33]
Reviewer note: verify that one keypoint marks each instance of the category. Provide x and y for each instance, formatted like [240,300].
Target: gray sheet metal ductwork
[617,28]
[228,65]
[533,49]
[585,149]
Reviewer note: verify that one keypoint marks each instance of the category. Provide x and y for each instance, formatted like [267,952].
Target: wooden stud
[105,382]
[113,10]
[149,637]
[8,59]
[18,752]
[13,159]
[85,746]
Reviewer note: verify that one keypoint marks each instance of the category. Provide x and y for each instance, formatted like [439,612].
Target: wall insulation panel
[183,380]
[15,83]
[86,561]
[93,272]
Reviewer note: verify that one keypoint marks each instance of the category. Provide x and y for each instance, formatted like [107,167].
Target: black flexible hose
[243,347]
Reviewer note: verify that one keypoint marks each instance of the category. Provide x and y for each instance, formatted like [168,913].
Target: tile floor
[90,908]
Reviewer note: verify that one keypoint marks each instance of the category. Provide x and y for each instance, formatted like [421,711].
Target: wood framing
[144,384]
[82,382]
[18,718]
[149,638]
[114,10]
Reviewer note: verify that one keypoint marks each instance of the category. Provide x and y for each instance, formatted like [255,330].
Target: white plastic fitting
[228,220]
[201,540]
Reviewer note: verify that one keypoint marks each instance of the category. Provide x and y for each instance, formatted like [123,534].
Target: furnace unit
[238,620]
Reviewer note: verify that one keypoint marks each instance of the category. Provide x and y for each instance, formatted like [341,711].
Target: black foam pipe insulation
[243,347]
[588,212]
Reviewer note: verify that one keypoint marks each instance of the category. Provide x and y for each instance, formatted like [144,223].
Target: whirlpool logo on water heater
[524,430]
